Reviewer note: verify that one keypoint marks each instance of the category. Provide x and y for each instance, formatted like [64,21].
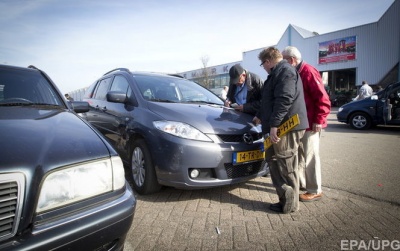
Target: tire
[360,121]
[144,179]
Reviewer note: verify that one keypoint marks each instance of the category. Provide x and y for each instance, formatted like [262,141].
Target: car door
[392,104]
[118,115]
[98,105]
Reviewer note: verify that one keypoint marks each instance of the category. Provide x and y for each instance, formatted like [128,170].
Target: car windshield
[171,89]
[26,88]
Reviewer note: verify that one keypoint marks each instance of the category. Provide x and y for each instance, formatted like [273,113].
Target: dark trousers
[283,162]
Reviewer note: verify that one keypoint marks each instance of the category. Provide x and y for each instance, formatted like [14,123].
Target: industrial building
[344,58]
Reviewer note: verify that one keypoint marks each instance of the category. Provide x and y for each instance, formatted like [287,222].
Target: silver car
[173,132]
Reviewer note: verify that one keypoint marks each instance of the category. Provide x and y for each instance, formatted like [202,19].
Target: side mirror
[79,106]
[116,97]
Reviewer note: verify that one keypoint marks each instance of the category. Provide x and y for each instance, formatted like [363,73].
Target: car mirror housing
[116,97]
[80,106]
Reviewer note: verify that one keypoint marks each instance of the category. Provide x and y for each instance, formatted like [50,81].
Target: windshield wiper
[204,102]
[163,100]
[27,104]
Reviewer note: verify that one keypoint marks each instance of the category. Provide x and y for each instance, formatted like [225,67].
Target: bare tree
[206,72]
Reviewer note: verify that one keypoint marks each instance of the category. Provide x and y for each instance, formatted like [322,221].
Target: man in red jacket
[318,108]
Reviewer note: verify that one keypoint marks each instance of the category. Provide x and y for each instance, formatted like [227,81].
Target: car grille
[238,138]
[11,193]
[243,170]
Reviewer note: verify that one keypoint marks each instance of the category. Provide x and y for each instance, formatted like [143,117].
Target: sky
[77,41]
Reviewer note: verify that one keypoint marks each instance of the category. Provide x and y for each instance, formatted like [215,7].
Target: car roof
[143,73]
[29,68]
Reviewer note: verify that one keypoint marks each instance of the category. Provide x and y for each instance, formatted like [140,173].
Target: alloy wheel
[138,166]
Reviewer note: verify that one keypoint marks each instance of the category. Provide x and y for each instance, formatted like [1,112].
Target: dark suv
[62,185]
[382,108]
[171,131]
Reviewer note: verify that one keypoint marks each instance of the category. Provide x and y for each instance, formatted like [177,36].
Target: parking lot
[360,205]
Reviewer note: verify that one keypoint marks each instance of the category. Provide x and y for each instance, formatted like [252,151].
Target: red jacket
[317,100]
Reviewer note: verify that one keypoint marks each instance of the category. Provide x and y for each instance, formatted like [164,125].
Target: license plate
[288,125]
[240,157]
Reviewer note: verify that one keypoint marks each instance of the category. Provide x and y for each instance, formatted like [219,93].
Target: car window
[395,92]
[170,89]
[102,89]
[89,91]
[119,84]
[27,87]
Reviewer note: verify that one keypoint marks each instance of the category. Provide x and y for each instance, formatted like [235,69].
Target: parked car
[382,108]
[339,100]
[173,132]
[62,184]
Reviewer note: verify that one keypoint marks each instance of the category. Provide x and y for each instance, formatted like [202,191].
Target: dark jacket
[282,97]
[254,91]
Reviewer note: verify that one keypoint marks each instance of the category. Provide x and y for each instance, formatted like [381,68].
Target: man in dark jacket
[244,92]
[282,97]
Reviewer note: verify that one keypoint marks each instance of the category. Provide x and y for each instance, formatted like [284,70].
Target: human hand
[317,127]
[239,108]
[273,134]
[256,120]
[227,103]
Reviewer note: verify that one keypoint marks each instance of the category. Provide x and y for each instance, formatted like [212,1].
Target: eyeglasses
[263,62]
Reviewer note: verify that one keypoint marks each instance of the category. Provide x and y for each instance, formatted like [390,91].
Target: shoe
[288,201]
[307,197]
[277,207]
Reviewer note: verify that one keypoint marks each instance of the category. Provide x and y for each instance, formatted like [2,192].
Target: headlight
[77,183]
[181,130]
[340,109]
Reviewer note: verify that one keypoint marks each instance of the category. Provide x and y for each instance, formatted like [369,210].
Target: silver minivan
[174,132]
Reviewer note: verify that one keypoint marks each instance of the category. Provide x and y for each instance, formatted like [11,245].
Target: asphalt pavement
[237,217]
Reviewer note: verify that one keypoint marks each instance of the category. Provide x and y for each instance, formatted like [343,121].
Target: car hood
[213,119]
[46,138]
[361,103]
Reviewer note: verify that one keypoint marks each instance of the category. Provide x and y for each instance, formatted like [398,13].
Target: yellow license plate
[288,125]
[240,157]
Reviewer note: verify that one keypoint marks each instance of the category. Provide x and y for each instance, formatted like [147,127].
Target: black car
[62,185]
[382,108]
[174,132]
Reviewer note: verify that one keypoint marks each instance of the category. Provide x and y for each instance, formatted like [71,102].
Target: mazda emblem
[247,138]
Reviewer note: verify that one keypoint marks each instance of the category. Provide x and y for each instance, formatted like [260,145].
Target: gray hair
[292,51]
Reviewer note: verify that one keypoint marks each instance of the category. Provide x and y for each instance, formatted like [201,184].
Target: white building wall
[214,70]
[252,63]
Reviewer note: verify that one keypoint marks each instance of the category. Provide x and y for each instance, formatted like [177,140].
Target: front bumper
[342,116]
[177,157]
[99,227]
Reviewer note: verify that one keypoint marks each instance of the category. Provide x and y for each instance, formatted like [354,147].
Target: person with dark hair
[244,93]
[318,108]
[282,97]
